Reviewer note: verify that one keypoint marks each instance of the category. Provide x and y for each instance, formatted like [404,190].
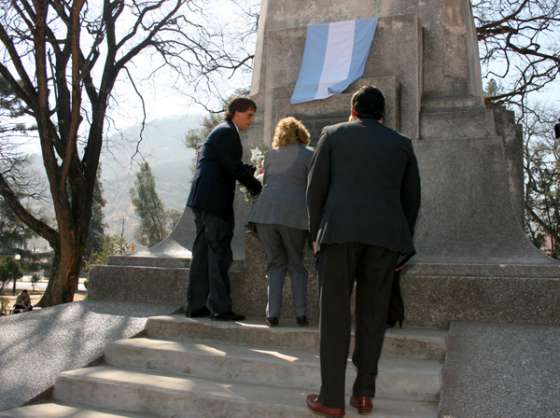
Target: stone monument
[472,250]
[474,260]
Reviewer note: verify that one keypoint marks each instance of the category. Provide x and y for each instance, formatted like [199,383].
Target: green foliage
[9,270]
[196,137]
[492,88]
[173,216]
[148,207]
[111,245]
[14,234]
[4,306]
[96,233]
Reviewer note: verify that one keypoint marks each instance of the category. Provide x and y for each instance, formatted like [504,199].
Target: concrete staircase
[184,368]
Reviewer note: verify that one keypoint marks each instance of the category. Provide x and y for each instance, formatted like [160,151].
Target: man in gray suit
[363,196]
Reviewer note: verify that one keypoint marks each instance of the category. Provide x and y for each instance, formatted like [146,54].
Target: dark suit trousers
[211,259]
[339,266]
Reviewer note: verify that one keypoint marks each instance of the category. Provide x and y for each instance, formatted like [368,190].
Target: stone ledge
[166,262]
[485,270]
[153,285]
[161,262]
[435,301]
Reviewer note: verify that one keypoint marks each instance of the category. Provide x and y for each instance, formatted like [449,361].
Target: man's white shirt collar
[236,128]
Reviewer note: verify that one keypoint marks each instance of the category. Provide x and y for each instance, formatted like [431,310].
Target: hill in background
[162,145]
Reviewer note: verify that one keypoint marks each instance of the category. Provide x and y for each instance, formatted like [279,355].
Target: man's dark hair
[368,102]
[24,291]
[239,104]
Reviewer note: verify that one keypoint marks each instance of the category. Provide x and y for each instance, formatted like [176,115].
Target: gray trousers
[283,247]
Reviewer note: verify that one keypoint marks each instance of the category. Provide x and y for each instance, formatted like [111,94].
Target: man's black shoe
[302,321]
[272,321]
[203,312]
[228,316]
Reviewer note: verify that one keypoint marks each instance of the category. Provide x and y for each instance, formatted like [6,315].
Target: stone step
[180,397]
[412,343]
[418,380]
[55,410]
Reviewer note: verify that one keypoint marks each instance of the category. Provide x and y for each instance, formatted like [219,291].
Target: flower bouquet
[257,160]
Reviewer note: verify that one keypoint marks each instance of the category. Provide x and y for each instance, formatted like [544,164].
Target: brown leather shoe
[363,404]
[313,403]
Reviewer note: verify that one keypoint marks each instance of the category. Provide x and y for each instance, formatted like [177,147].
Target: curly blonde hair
[290,131]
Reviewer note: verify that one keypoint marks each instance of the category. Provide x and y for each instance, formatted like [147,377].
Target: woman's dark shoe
[302,321]
[272,322]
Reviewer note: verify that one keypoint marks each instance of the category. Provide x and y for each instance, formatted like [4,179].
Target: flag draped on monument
[335,56]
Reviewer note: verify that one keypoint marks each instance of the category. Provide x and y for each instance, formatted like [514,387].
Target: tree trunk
[65,273]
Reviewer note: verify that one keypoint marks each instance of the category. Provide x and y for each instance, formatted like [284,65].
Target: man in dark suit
[219,166]
[363,196]
[557,130]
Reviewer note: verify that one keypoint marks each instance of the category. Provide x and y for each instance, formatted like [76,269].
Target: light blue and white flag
[335,56]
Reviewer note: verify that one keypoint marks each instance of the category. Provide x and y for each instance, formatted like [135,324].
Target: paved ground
[35,347]
[501,371]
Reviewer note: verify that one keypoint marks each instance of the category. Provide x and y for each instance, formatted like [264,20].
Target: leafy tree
[62,60]
[148,207]
[14,234]
[542,180]
[112,245]
[172,216]
[10,270]
[195,138]
[96,234]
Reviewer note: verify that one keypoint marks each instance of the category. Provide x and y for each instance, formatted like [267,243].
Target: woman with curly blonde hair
[280,216]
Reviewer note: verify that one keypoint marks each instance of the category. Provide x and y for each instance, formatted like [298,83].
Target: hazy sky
[166,95]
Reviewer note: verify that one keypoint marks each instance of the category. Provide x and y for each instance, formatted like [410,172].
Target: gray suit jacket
[364,187]
[282,200]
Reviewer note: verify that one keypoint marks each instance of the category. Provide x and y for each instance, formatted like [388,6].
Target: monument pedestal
[474,261]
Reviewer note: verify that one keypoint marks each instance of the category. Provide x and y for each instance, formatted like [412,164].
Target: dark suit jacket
[219,165]
[364,187]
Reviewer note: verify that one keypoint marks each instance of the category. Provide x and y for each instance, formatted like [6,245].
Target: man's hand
[315,248]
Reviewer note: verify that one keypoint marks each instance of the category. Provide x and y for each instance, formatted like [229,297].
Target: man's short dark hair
[368,102]
[239,104]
